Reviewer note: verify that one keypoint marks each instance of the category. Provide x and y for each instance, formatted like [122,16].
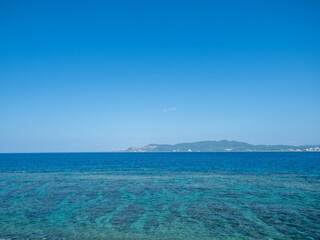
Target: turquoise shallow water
[160,196]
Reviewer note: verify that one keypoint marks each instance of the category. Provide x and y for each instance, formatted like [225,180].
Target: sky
[107,75]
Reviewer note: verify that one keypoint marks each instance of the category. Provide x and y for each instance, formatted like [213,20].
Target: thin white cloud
[170,109]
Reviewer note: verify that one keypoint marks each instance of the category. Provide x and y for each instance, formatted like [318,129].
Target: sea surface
[160,196]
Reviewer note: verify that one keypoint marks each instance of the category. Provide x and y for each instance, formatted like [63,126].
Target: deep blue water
[146,163]
[160,196]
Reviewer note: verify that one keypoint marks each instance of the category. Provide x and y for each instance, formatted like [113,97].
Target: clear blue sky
[106,75]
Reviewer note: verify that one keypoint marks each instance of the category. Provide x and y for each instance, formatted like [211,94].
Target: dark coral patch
[127,216]
[151,224]
[137,190]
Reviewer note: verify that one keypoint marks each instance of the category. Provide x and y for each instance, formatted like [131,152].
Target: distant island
[222,146]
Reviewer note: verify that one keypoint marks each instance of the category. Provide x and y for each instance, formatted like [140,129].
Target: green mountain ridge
[220,146]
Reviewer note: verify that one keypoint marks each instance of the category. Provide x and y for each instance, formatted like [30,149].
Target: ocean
[256,195]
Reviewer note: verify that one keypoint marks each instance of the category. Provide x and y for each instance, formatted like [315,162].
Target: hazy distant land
[221,146]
